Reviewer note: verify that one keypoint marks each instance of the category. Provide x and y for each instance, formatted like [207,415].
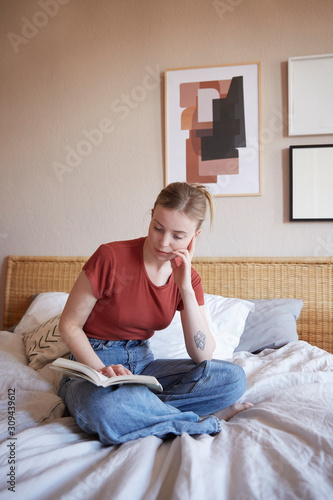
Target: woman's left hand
[181,266]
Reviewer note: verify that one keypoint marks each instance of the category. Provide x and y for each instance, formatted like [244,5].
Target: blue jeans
[128,412]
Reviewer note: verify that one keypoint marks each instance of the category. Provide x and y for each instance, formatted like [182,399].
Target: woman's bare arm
[76,312]
[200,344]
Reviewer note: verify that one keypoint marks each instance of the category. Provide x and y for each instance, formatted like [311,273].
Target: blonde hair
[191,199]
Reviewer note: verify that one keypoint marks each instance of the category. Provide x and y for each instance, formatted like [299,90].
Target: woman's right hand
[114,371]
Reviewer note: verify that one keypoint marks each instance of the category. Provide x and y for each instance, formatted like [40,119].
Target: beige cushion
[44,344]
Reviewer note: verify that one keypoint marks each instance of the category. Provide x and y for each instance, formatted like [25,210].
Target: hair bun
[191,199]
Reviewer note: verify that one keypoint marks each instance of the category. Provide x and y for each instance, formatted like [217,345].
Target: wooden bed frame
[310,279]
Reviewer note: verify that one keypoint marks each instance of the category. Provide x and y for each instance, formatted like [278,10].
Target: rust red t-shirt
[129,306]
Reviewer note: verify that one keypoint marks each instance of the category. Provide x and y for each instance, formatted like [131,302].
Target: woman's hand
[181,266]
[114,371]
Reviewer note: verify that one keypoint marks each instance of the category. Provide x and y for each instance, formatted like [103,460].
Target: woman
[126,291]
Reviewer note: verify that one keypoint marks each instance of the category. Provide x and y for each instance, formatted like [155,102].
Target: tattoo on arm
[200,340]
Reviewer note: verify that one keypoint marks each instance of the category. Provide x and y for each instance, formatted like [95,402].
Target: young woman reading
[128,290]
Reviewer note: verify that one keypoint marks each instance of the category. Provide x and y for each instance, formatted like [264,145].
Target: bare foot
[229,412]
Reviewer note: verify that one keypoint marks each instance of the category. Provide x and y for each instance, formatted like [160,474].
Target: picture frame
[311,182]
[212,128]
[310,96]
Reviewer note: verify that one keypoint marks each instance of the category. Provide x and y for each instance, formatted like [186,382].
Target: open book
[76,369]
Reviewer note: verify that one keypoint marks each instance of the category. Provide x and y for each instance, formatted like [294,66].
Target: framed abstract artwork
[310,96]
[311,182]
[212,128]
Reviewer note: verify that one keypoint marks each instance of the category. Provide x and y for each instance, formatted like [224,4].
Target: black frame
[292,201]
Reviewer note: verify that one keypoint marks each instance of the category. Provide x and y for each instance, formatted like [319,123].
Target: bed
[274,317]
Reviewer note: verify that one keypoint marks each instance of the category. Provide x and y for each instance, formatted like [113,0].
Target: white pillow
[226,319]
[42,308]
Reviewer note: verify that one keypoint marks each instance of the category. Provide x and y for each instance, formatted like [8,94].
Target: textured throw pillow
[44,306]
[44,344]
[226,319]
[271,325]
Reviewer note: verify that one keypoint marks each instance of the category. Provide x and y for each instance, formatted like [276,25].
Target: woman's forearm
[78,307]
[78,343]
[200,343]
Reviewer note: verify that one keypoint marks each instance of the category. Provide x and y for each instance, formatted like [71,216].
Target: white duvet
[282,448]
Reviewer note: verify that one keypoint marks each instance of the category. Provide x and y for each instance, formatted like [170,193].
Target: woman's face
[169,230]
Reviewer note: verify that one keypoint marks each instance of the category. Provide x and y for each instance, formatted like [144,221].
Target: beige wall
[86,65]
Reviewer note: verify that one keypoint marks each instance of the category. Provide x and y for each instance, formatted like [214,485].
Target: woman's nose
[165,241]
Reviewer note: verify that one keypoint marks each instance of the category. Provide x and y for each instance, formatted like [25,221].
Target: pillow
[44,344]
[226,318]
[44,306]
[271,325]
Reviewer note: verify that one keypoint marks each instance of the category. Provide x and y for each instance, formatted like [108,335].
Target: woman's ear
[198,232]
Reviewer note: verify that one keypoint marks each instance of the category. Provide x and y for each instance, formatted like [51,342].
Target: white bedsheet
[279,449]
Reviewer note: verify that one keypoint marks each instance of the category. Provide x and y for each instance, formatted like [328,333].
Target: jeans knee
[238,381]
[230,375]
[241,378]
[82,399]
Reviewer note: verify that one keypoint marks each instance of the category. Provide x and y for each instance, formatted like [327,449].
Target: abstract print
[213,113]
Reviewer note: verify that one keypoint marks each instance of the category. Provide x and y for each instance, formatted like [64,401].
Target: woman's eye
[158,229]
[176,237]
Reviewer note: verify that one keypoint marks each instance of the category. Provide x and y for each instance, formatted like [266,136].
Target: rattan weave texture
[310,279]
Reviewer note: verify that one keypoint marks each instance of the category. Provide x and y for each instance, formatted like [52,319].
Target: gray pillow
[271,325]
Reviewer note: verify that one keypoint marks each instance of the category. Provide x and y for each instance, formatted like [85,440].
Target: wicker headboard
[249,278]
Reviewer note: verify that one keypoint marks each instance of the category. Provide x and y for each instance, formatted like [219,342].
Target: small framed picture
[212,128]
[310,96]
[311,183]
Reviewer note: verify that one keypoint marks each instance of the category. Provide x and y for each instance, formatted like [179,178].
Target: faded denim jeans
[126,412]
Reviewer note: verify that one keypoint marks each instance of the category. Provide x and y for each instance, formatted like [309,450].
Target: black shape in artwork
[228,125]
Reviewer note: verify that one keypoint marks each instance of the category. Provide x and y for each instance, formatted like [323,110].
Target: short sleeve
[98,270]
[198,290]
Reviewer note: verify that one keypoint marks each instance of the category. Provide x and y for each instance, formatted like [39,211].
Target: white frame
[311,181]
[310,96]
